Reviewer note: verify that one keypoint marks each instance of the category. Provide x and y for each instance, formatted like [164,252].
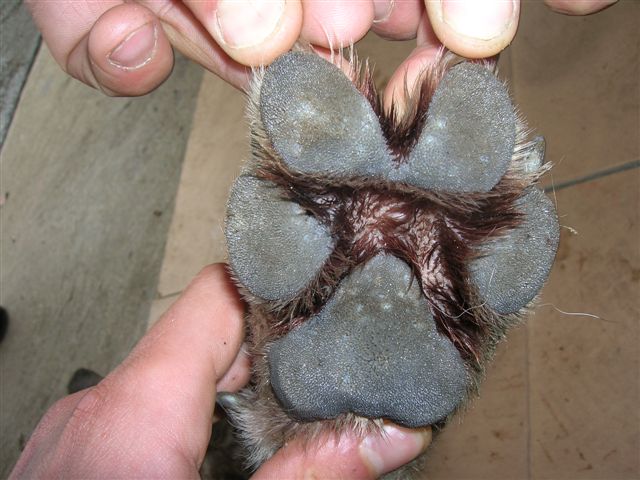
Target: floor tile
[88,184]
[575,80]
[584,371]
[217,148]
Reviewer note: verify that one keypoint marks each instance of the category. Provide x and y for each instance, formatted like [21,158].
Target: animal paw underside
[382,256]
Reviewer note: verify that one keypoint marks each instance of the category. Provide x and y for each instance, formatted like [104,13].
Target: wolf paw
[382,258]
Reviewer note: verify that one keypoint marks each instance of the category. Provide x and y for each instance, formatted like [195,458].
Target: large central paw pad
[373,350]
[381,265]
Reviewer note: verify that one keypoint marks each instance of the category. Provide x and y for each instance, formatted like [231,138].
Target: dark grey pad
[469,135]
[373,350]
[275,249]
[317,120]
[515,266]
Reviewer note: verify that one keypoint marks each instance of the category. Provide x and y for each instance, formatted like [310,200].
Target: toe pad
[514,267]
[318,121]
[275,248]
[469,135]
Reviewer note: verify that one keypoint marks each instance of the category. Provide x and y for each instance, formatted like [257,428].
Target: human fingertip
[336,24]
[237,376]
[474,28]
[482,20]
[397,20]
[396,446]
[382,10]
[129,53]
[137,49]
[241,24]
[255,32]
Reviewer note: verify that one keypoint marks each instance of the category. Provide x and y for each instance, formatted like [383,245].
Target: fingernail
[137,49]
[382,10]
[480,19]
[244,23]
[385,452]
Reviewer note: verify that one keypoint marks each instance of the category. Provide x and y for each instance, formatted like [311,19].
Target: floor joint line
[594,176]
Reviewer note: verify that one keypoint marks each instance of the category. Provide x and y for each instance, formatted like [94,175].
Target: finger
[252,32]
[474,28]
[128,51]
[397,19]
[336,23]
[166,387]
[348,456]
[64,24]
[202,330]
[578,7]
[158,403]
[187,34]
[37,453]
[118,48]
[237,375]
[404,80]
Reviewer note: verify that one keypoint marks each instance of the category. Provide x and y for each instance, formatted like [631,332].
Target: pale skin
[152,416]
[88,38]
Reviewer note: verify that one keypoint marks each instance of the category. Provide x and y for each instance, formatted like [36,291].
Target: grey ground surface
[88,185]
[19,40]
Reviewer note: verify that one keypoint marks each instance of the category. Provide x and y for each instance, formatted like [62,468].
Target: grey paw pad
[317,120]
[373,350]
[275,248]
[468,139]
[516,266]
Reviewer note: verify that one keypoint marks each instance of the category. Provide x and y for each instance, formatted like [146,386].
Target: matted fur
[436,233]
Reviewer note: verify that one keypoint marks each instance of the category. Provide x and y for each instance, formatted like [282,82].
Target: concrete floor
[82,247]
[19,41]
[88,184]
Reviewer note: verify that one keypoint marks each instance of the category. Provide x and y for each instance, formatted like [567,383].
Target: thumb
[127,52]
[474,28]
[119,48]
[348,456]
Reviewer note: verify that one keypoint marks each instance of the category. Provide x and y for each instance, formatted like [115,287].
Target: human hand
[124,48]
[152,416]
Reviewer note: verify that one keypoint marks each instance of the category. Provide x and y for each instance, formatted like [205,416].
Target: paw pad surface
[317,120]
[454,205]
[373,350]
[275,248]
[468,139]
[319,123]
[514,267]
